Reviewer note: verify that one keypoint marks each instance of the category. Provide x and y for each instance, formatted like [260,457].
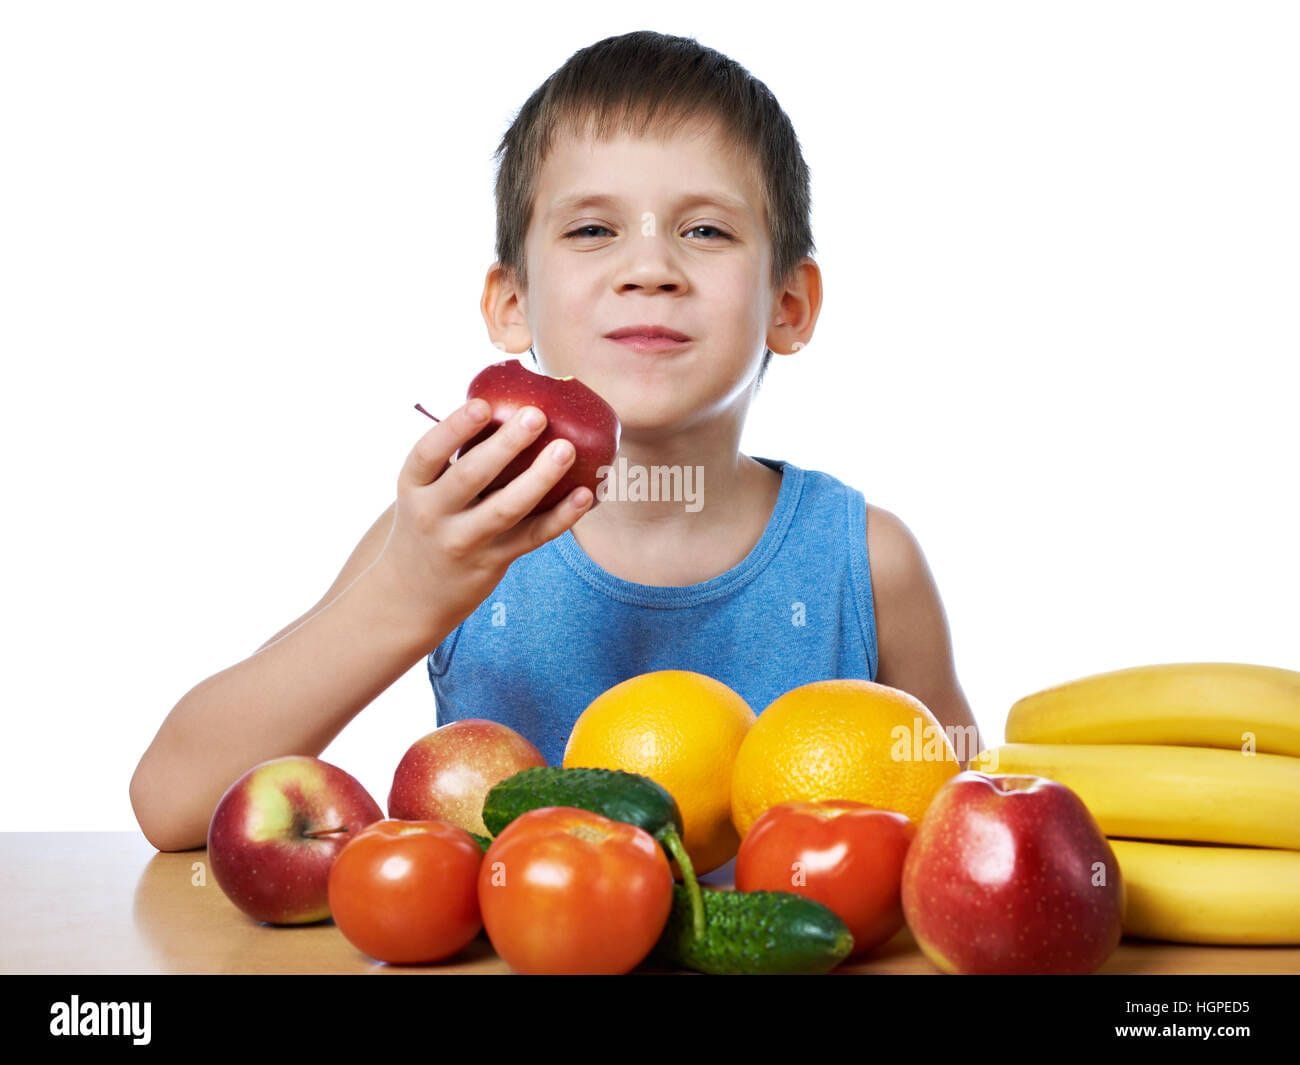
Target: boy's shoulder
[888,541]
[892,549]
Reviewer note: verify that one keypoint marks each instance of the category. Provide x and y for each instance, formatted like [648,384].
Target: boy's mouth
[649,338]
[651,344]
[648,332]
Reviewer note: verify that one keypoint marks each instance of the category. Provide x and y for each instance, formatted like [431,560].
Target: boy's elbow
[153,831]
[150,813]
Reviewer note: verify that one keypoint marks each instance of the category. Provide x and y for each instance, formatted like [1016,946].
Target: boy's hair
[644,82]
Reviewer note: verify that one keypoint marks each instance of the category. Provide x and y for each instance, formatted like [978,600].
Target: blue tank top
[558,629]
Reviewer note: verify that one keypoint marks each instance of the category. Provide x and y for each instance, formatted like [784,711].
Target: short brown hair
[643,81]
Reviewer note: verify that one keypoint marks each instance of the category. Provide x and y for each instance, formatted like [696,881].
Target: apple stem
[423,411]
[673,844]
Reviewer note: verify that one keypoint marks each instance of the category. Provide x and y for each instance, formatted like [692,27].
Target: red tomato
[845,854]
[567,891]
[407,891]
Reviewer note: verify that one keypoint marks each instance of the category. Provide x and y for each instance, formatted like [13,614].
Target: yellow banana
[1175,793]
[1193,704]
[1191,894]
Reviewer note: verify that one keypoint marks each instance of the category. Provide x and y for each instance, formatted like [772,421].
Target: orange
[842,739]
[682,730]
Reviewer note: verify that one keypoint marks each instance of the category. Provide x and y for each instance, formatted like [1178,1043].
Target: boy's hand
[448,550]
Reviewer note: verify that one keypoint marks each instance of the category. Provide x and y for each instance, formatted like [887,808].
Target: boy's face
[650,254]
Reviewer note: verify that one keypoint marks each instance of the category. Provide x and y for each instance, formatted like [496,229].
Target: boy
[608,173]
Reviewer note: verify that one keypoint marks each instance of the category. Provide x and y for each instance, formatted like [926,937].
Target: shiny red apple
[275,834]
[446,775]
[573,412]
[1012,875]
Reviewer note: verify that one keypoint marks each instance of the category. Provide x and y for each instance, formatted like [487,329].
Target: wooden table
[107,902]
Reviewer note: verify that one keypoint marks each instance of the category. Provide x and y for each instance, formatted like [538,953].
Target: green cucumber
[754,933]
[483,842]
[620,796]
[613,793]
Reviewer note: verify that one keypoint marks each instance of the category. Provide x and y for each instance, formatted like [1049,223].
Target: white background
[238,241]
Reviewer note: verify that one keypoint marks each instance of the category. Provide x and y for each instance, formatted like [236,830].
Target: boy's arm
[292,696]
[912,637]
[418,573]
[366,551]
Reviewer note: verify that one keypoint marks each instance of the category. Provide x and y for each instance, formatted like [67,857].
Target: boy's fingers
[485,462]
[434,450]
[495,514]
[533,532]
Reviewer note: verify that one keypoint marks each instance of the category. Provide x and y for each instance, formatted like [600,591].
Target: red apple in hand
[275,834]
[1011,874]
[573,412]
[446,775]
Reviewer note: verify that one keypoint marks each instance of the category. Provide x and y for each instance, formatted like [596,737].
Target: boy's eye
[581,231]
[715,229]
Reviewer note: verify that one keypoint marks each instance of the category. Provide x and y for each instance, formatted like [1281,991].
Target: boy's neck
[730,501]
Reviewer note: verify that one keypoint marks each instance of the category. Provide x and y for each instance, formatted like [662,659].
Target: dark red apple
[275,834]
[446,775]
[573,412]
[1011,875]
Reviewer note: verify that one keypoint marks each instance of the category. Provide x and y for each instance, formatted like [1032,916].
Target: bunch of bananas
[1193,773]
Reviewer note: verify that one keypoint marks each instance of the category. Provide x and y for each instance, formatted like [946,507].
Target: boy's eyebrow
[600,199]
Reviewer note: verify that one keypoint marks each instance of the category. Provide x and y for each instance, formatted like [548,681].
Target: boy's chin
[643,425]
[647,408]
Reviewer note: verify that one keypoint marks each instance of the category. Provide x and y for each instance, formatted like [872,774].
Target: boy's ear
[797,306]
[502,310]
